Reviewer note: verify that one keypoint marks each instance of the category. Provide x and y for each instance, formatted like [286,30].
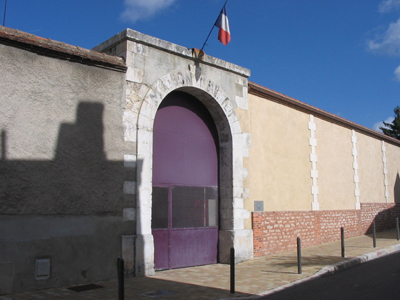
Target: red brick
[276,232]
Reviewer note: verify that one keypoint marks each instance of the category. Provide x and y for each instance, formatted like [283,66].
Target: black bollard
[397,228]
[342,239]
[374,233]
[299,255]
[120,270]
[232,270]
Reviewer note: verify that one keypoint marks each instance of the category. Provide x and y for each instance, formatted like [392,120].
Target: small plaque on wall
[258,205]
[42,269]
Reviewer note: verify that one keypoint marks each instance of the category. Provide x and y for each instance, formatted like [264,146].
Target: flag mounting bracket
[198,54]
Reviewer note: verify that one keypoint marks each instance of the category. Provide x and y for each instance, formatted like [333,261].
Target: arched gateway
[185,184]
[164,181]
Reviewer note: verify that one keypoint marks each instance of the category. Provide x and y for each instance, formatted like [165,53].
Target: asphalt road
[377,279]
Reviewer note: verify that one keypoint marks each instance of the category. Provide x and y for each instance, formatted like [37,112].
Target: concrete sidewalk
[259,276]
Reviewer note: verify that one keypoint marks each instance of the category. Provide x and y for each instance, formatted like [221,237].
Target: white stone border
[355,167]
[232,213]
[314,159]
[385,171]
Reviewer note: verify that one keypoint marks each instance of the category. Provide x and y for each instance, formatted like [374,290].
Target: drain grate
[158,293]
[84,288]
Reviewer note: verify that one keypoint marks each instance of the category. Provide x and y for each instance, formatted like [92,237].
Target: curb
[331,269]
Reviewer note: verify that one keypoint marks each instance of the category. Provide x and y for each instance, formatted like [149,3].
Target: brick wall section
[331,221]
[276,232]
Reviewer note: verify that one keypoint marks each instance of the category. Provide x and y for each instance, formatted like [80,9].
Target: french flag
[224,34]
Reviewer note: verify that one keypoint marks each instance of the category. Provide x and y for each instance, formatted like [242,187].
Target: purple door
[185,184]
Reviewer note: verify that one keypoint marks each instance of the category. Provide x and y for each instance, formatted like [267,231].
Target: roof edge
[52,48]
[269,94]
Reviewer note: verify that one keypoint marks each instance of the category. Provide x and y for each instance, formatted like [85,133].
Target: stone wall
[61,165]
[76,160]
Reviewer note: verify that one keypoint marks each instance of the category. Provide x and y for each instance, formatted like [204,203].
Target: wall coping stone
[52,48]
[138,37]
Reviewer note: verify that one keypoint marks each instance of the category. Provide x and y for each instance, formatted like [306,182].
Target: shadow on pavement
[280,272]
[152,288]
[315,260]
[148,288]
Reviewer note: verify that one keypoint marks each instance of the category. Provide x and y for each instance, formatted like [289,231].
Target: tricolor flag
[224,34]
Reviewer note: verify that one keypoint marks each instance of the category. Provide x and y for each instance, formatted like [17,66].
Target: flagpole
[212,28]
[5,8]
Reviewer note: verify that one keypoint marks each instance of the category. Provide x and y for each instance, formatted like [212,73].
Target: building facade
[167,157]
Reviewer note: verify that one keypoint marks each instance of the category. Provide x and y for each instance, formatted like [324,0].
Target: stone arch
[231,164]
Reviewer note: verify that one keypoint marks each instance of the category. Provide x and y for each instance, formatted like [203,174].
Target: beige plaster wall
[279,167]
[335,166]
[370,164]
[278,163]
[393,169]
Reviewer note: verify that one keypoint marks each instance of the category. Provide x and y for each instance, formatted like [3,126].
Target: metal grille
[160,208]
[194,207]
[188,207]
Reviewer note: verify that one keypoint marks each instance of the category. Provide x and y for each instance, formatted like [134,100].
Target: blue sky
[342,56]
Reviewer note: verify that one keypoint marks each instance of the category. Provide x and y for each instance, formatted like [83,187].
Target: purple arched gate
[185,184]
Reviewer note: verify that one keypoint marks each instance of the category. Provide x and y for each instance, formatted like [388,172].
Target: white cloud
[389,6]
[387,42]
[142,9]
[380,124]
[397,73]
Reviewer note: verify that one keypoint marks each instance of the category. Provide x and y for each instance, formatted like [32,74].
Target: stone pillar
[144,263]
[241,240]
[128,254]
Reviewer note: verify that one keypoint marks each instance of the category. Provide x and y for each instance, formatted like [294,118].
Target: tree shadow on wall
[385,219]
[396,189]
